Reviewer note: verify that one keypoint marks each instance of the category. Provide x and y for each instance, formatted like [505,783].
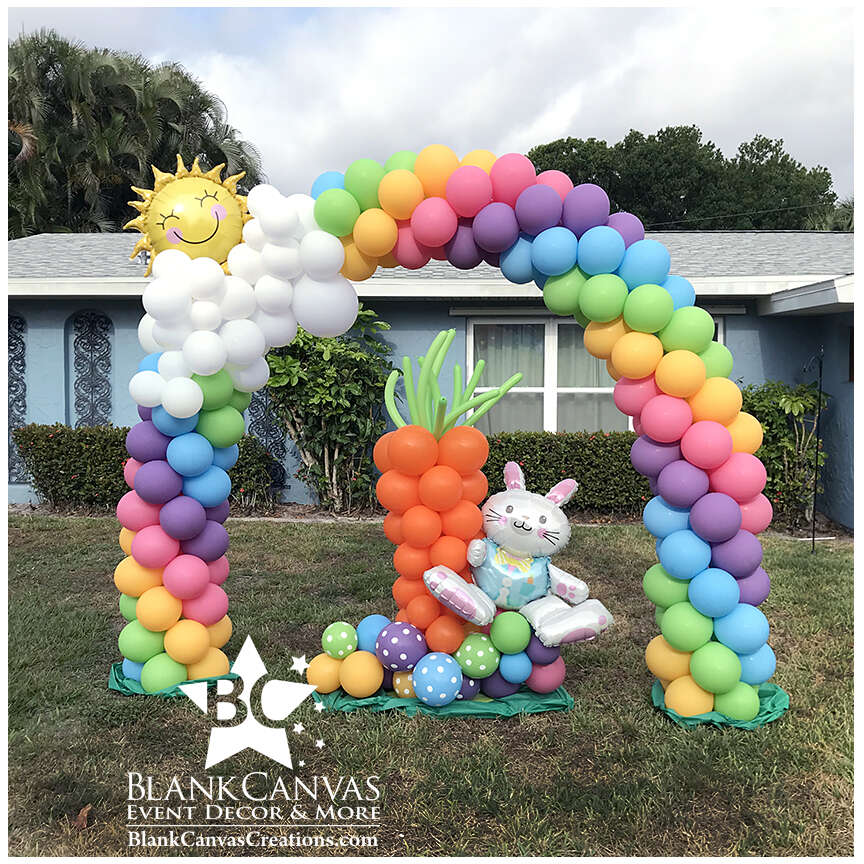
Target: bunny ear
[562,492]
[513,477]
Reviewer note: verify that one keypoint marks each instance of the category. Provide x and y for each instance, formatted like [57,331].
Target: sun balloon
[191,210]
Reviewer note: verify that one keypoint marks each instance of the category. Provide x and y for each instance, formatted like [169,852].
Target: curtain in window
[510,348]
[516,411]
[576,367]
[589,412]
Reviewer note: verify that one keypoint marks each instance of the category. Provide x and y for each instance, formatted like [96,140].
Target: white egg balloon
[258,196]
[253,235]
[321,254]
[248,379]
[205,278]
[146,388]
[279,329]
[243,340]
[171,262]
[173,365]
[145,335]
[278,221]
[165,299]
[171,335]
[282,261]
[204,352]
[182,397]
[325,308]
[239,299]
[274,295]
[245,262]
[205,315]
[305,207]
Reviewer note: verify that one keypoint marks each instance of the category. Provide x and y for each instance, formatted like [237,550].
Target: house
[777,297]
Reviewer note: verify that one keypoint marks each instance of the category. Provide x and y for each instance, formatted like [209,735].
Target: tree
[86,124]
[841,217]
[673,180]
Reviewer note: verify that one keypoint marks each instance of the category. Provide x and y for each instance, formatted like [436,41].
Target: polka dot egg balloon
[339,640]
[437,679]
[477,656]
[400,646]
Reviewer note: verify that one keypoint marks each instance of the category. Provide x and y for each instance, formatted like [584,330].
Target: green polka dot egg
[339,640]
[477,656]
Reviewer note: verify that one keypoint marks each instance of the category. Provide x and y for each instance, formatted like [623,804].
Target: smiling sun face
[190,210]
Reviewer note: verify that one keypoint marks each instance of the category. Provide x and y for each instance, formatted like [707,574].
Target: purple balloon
[495,227]
[537,208]
[715,517]
[145,442]
[219,513]
[210,544]
[681,484]
[157,482]
[628,226]
[400,646]
[650,457]
[740,555]
[495,686]
[755,588]
[469,689]
[145,413]
[493,259]
[652,485]
[541,654]
[585,206]
[387,683]
[182,518]
[462,251]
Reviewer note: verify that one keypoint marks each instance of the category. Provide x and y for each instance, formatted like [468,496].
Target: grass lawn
[611,777]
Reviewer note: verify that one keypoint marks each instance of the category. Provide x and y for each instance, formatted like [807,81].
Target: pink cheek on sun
[217,211]
[174,235]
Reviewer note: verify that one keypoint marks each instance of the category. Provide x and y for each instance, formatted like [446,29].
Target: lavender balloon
[145,442]
[495,227]
[157,482]
[585,206]
[469,689]
[541,654]
[650,457]
[400,646]
[493,259]
[219,513]
[495,686]
[681,484]
[182,518]
[210,544]
[537,208]
[387,683]
[462,251]
[628,226]
[755,588]
[740,555]
[715,517]
[145,413]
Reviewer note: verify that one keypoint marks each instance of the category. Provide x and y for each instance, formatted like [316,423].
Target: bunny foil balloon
[512,569]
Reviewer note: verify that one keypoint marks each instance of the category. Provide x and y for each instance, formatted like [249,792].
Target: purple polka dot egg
[400,646]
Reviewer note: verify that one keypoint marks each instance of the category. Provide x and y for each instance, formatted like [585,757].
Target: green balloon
[477,656]
[222,427]
[659,612]
[361,179]
[239,400]
[684,628]
[740,703]
[718,361]
[339,639]
[336,211]
[648,308]
[581,319]
[160,672]
[689,329]
[561,293]
[510,632]
[661,589]
[715,667]
[602,297]
[404,159]
[139,644]
[217,389]
[127,606]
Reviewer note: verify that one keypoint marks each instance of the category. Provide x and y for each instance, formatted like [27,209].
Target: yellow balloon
[125,539]
[187,641]
[636,354]
[718,399]
[664,683]
[403,685]
[600,337]
[680,373]
[388,262]
[746,432]
[361,674]
[484,159]
[357,266]
[686,697]
[133,579]
[323,672]
[220,632]
[158,609]
[613,372]
[375,232]
[433,166]
[213,664]
[399,192]
[667,662]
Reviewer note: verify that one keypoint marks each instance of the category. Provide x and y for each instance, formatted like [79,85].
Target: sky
[315,89]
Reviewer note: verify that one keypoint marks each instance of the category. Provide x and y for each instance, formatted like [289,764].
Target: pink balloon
[756,515]
[187,576]
[434,222]
[135,513]
[665,418]
[406,251]
[439,253]
[742,477]
[558,180]
[706,444]
[637,425]
[209,607]
[130,469]
[511,174]
[469,190]
[631,394]
[545,679]
[152,547]
[219,570]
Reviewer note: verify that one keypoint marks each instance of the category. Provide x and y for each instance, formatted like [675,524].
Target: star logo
[277,700]
[299,665]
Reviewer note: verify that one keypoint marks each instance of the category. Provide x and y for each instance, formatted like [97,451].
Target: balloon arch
[481,613]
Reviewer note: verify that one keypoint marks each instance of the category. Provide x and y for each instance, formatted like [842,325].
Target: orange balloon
[746,432]
[467,575]
[357,266]
[388,262]
[718,399]
[433,166]
[401,615]
[637,354]
[475,487]
[484,159]
[413,450]
[599,338]
[444,634]
[375,232]
[396,491]
[449,551]
[422,611]
[613,372]
[399,192]
[410,561]
[381,451]
[440,488]
[405,590]
[464,449]
[463,521]
[393,528]
[421,526]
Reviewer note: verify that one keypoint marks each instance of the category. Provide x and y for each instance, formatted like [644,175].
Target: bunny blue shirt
[509,580]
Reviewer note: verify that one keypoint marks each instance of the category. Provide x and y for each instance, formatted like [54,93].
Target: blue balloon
[327,180]
[601,250]
[662,519]
[190,454]
[437,679]
[540,279]
[758,666]
[744,630]
[683,554]
[645,262]
[208,489]
[515,668]
[515,263]
[150,363]
[131,669]
[714,592]
[683,293]
[172,426]
[555,250]
[368,630]
[226,457]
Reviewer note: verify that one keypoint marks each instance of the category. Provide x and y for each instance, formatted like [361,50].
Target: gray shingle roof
[694,254]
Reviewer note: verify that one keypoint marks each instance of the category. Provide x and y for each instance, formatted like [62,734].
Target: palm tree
[841,217]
